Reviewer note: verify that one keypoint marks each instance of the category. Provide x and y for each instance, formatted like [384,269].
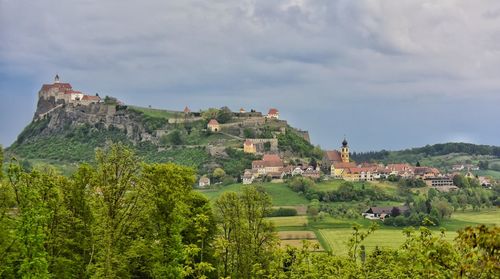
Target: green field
[387,238]
[280,193]
[289,221]
[333,233]
[332,185]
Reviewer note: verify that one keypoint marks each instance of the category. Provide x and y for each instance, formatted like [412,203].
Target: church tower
[56,79]
[344,152]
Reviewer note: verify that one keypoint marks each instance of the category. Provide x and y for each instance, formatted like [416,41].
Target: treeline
[428,150]
[122,218]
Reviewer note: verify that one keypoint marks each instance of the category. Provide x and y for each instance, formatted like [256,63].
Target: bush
[283,211]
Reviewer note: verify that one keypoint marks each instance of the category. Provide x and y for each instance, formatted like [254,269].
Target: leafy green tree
[218,174]
[249,133]
[175,138]
[224,115]
[33,221]
[209,114]
[116,196]
[1,163]
[246,241]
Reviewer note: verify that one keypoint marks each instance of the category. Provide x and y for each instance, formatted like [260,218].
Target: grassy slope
[280,193]
[157,113]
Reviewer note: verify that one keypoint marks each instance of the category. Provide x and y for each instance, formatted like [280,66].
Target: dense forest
[123,218]
[409,155]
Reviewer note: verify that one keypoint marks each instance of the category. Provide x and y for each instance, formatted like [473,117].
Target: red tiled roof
[398,167]
[333,156]
[91,98]
[342,165]
[272,111]
[65,86]
[248,142]
[271,158]
[213,122]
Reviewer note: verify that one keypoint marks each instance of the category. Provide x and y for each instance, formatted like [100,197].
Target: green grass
[388,238]
[289,221]
[333,185]
[494,174]
[490,216]
[156,113]
[280,193]
[333,233]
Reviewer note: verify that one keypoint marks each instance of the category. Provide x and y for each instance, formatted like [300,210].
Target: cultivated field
[387,238]
[289,221]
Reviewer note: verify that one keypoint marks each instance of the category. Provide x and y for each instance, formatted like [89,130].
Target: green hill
[70,134]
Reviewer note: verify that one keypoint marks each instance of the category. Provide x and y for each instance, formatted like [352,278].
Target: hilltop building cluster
[61,91]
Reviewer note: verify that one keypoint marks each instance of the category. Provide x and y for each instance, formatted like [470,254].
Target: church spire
[56,79]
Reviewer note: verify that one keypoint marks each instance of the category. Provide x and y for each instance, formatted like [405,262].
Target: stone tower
[344,152]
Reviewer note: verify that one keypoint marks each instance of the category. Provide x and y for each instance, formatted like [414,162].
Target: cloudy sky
[388,74]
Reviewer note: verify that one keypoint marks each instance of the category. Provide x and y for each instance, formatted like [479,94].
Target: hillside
[65,132]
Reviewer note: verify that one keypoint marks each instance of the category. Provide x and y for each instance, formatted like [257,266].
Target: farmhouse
[380,212]
[249,147]
[270,164]
[204,181]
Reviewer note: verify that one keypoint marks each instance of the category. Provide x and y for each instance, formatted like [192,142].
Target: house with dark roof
[380,212]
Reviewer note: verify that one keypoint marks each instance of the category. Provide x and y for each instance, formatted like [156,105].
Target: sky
[386,74]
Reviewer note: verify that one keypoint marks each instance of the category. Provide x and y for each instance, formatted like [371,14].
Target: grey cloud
[285,52]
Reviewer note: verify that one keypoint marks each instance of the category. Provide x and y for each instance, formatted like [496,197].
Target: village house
[380,212]
[270,165]
[213,125]
[248,177]
[273,114]
[204,182]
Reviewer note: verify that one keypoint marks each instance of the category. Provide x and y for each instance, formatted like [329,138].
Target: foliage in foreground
[125,219]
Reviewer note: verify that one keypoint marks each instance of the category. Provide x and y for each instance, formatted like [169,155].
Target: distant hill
[66,131]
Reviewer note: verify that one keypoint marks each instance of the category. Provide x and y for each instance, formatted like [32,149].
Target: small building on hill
[213,125]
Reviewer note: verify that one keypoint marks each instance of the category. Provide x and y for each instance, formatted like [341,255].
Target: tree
[395,212]
[249,133]
[418,164]
[171,222]
[1,163]
[224,115]
[442,206]
[246,241]
[218,174]
[175,138]
[209,114]
[117,198]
